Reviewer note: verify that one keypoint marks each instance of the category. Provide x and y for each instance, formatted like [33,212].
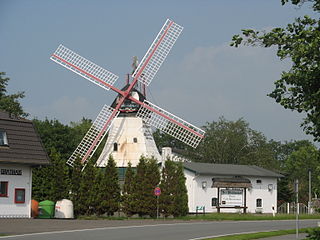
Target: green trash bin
[46,209]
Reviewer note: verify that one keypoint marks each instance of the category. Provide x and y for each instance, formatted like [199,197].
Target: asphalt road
[141,230]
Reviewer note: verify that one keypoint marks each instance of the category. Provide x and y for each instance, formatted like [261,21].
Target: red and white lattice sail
[144,73]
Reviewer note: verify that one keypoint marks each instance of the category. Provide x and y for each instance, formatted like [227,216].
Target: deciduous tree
[297,89]
[10,103]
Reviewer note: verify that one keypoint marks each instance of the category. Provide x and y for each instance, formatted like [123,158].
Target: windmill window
[3,138]
[115,147]
[135,140]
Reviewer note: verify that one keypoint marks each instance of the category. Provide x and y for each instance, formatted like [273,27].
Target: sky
[202,79]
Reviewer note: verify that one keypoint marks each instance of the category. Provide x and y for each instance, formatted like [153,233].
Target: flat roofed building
[20,150]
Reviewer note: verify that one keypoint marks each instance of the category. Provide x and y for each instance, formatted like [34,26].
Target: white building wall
[199,196]
[8,207]
[261,190]
[123,132]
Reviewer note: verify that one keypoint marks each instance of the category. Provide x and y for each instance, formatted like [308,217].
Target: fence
[291,208]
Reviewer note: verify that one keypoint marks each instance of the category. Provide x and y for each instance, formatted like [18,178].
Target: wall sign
[231,197]
[11,171]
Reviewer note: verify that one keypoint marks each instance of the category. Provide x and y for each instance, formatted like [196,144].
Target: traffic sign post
[157,192]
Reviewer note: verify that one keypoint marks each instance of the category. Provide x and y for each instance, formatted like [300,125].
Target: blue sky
[202,79]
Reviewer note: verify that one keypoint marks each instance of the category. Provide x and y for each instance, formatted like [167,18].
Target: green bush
[314,234]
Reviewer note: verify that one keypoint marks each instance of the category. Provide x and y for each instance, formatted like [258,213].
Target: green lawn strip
[244,217]
[250,236]
[215,217]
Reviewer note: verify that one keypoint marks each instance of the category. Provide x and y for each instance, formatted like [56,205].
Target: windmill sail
[170,124]
[83,67]
[93,137]
[157,52]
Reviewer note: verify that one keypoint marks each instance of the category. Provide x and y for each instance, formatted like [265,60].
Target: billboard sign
[231,197]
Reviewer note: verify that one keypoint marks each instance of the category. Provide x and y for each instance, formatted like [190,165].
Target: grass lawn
[217,217]
[248,216]
[250,236]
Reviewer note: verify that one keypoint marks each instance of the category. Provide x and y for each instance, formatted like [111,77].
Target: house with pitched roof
[230,188]
[20,151]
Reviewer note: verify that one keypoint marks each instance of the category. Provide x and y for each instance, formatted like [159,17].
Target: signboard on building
[4,171]
[231,197]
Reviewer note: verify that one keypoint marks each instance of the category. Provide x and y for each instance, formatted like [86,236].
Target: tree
[55,135]
[299,88]
[140,188]
[147,178]
[152,181]
[10,103]
[233,142]
[174,197]
[181,194]
[109,190]
[75,183]
[89,189]
[297,166]
[167,185]
[128,192]
[51,182]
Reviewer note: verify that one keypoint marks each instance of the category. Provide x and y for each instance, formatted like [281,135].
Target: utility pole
[296,187]
[309,202]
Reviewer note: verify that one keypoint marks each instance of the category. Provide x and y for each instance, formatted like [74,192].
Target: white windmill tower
[148,113]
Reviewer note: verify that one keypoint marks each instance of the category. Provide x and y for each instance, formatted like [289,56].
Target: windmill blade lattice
[170,124]
[93,137]
[85,68]
[157,52]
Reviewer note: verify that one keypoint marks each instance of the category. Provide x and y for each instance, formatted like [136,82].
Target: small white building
[20,151]
[230,188]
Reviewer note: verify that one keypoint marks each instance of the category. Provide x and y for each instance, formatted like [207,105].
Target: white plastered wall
[123,131]
[199,196]
[8,207]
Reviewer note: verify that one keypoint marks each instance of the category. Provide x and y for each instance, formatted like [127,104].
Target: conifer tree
[140,188]
[109,190]
[147,178]
[128,192]
[167,185]
[51,182]
[152,181]
[180,202]
[60,177]
[174,198]
[75,186]
[89,189]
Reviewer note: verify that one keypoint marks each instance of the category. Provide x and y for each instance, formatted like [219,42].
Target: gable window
[259,202]
[259,181]
[115,147]
[3,138]
[19,195]
[3,189]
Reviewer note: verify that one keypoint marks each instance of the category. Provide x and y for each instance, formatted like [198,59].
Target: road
[143,230]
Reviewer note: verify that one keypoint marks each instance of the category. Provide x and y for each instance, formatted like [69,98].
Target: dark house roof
[229,170]
[24,145]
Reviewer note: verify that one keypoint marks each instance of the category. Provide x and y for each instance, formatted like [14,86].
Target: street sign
[157,191]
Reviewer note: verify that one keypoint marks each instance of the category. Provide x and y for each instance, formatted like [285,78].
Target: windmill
[144,73]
